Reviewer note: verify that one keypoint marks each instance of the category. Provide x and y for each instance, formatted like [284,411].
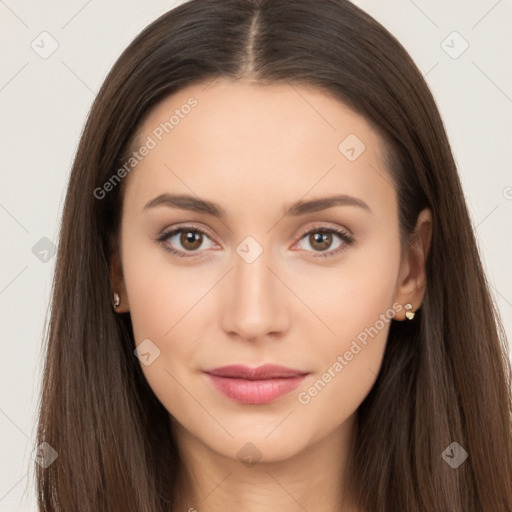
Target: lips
[260,385]
[267,371]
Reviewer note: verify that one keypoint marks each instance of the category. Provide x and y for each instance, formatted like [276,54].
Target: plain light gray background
[45,102]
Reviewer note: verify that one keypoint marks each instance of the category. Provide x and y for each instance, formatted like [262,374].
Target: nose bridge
[256,306]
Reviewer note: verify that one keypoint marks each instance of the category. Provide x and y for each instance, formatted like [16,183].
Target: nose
[256,301]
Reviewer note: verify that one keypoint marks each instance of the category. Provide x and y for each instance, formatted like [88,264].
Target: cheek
[356,307]
[166,305]
[160,292]
[155,311]
[351,298]
[347,367]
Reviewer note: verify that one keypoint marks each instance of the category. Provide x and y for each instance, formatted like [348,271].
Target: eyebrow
[195,204]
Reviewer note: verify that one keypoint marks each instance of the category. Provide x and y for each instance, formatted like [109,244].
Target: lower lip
[255,391]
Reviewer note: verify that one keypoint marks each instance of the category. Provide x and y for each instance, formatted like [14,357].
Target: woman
[268,293]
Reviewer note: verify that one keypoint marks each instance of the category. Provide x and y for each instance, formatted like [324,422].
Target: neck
[312,479]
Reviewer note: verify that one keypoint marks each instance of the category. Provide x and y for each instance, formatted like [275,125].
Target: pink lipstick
[260,385]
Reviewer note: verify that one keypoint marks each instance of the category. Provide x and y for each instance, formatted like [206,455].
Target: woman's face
[289,255]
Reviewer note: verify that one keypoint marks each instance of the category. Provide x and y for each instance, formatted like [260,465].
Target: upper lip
[266,371]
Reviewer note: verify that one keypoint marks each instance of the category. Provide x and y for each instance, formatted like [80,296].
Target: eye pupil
[323,239]
[191,237]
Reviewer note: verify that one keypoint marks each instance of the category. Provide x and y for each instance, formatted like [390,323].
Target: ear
[412,279]
[117,280]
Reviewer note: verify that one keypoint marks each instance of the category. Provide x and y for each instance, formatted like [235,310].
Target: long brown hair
[445,376]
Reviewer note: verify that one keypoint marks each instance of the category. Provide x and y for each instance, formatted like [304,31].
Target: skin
[255,150]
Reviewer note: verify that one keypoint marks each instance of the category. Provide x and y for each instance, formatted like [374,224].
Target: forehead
[233,139]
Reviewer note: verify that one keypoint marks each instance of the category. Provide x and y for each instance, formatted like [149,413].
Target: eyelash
[343,235]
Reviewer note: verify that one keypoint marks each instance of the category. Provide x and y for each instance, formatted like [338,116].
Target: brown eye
[326,241]
[185,241]
[320,240]
[191,240]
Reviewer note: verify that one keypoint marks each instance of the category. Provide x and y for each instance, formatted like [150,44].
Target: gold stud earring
[117,300]
[409,313]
